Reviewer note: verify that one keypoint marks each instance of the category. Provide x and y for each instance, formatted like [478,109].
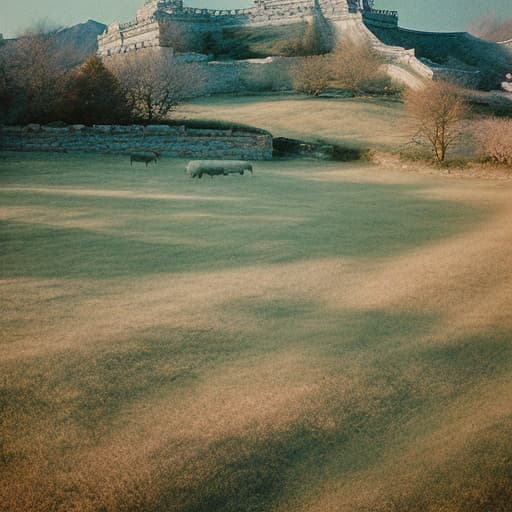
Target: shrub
[357,68]
[493,137]
[181,38]
[289,48]
[311,75]
[271,76]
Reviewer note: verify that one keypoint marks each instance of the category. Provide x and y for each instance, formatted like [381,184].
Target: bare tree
[34,72]
[437,111]
[155,82]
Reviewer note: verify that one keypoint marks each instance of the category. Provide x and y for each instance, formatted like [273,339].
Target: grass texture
[317,337]
[359,123]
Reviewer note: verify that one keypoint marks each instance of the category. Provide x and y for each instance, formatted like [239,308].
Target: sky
[432,15]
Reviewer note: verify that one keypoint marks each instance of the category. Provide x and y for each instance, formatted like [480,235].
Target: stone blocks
[171,141]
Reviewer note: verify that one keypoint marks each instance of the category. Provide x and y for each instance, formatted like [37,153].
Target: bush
[289,48]
[494,139]
[271,76]
[358,68]
[311,75]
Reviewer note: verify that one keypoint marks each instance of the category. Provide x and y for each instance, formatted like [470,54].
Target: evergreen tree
[93,95]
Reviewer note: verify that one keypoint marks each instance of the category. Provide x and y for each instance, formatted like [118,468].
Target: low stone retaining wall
[171,141]
[269,74]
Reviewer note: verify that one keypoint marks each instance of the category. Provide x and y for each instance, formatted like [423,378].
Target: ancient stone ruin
[411,56]
[154,20]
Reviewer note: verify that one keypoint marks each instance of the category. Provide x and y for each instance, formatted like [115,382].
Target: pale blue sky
[16,15]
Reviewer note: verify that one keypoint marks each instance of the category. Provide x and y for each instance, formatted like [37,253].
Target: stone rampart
[380,18]
[155,17]
[253,75]
[171,141]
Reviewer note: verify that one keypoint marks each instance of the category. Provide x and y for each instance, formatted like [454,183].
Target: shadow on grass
[402,392]
[322,150]
[93,390]
[259,474]
[323,220]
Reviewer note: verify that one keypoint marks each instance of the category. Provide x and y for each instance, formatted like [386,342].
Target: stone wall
[253,75]
[155,17]
[171,141]
[381,18]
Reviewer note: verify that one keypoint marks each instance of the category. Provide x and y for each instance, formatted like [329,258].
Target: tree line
[37,85]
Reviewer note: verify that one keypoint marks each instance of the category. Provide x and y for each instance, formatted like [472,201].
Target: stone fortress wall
[338,18]
[154,17]
[356,20]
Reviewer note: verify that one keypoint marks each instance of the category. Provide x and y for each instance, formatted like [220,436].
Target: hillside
[80,40]
[492,28]
[74,44]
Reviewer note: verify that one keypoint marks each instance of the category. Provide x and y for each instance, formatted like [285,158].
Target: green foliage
[312,41]
[258,42]
[6,93]
[215,124]
[33,72]
[93,96]
[182,38]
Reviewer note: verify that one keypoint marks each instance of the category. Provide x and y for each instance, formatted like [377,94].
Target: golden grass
[359,122]
[200,415]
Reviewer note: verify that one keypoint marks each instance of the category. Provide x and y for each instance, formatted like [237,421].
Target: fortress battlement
[153,20]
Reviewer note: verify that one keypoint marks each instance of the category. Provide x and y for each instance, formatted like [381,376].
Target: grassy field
[319,337]
[376,123]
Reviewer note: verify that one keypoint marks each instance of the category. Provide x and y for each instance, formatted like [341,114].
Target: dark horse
[144,156]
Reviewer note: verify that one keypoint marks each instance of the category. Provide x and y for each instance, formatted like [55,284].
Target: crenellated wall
[153,19]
